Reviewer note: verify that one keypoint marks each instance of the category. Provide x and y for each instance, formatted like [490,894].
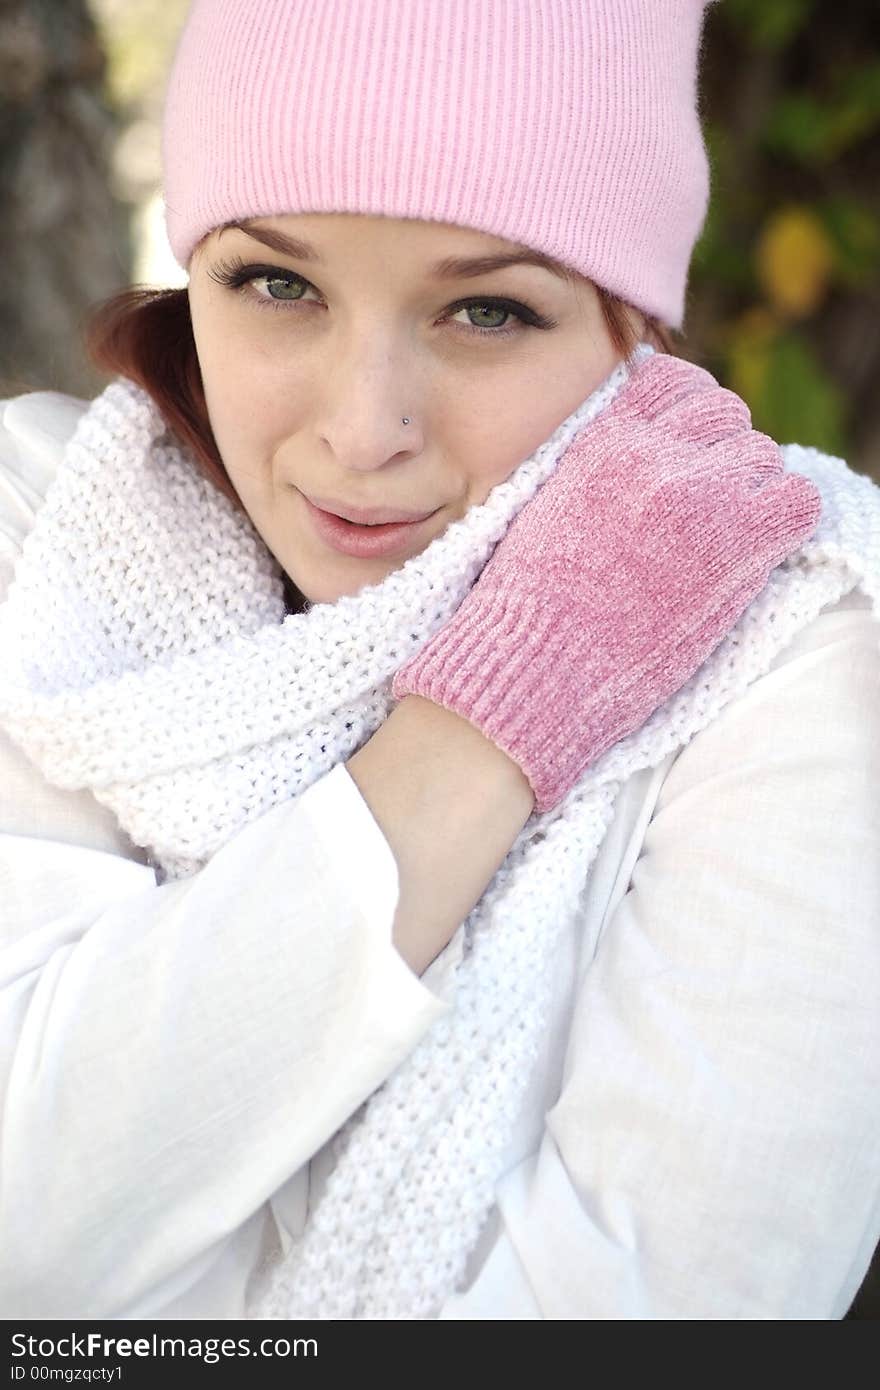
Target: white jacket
[701,1137]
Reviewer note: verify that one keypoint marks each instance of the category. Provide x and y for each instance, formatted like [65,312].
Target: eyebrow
[450,268]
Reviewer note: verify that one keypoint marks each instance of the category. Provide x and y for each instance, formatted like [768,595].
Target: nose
[372,447]
[361,417]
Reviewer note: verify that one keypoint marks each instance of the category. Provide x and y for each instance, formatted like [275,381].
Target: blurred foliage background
[785,288]
[784,299]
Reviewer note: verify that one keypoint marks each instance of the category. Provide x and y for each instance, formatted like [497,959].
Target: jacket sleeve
[714,1151]
[171,1055]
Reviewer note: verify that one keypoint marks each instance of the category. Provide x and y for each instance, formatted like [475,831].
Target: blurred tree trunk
[66,239]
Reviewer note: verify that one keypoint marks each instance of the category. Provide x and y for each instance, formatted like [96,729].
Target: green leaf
[719,255]
[858,109]
[799,128]
[798,402]
[770,24]
[813,131]
[854,230]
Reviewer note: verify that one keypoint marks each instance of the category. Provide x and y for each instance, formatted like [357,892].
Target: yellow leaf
[794,258]
[749,341]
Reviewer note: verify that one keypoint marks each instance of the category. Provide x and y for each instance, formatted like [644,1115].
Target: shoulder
[798,750]
[34,429]
[811,720]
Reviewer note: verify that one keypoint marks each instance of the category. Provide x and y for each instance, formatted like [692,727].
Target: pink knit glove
[613,584]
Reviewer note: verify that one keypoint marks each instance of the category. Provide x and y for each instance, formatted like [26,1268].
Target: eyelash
[236,275]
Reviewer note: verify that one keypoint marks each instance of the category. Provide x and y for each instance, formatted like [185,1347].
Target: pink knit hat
[570,126]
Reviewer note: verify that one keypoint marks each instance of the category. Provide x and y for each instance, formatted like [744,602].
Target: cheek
[515,427]
[248,414]
[495,454]
[233,371]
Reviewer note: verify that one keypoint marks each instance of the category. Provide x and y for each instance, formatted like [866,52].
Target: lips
[382,540]
[366,516]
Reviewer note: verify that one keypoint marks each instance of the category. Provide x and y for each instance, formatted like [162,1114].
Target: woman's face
[309,367]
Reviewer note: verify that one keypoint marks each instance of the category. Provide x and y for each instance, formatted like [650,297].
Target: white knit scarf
[152,663]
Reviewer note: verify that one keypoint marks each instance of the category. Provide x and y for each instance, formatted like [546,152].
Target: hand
[660,523]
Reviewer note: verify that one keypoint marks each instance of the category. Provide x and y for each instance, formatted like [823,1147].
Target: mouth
[367,516]
[367,540]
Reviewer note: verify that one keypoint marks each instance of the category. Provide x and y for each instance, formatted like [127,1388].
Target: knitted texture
[150,661]
[570,126]
[660,523]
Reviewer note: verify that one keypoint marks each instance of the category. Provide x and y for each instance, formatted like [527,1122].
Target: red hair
[147,336]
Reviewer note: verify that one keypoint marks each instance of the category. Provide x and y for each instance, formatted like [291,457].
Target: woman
[474,916]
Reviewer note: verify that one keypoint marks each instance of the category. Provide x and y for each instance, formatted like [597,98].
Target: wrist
[451,746]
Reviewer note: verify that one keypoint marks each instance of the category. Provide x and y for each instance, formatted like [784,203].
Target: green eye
[296,286]
[489,309]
